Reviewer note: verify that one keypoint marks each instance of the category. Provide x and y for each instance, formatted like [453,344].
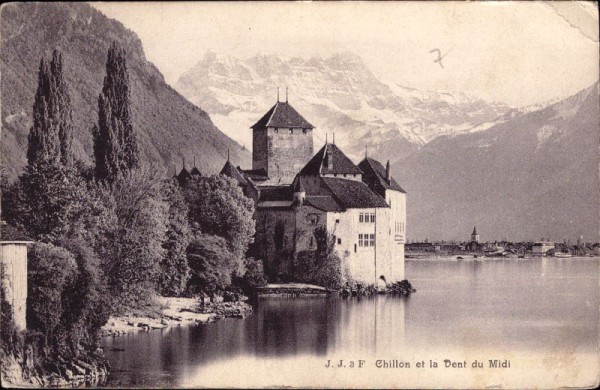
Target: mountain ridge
[533,176]
[338,93]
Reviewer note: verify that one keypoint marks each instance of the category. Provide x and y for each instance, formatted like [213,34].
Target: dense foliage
[322,266]
[174,268]
[132,249]
[211,263]
[112,236]
[219,207]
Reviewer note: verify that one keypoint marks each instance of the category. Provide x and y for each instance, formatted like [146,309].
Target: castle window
[361,240]
[339,241]
[312,242]
[371,240]
[304,131]
[276,130]
[372,217]
[361,217]
[337,221]
[291,131]
[313,219]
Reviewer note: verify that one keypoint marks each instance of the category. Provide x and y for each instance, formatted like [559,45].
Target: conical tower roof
[282,114]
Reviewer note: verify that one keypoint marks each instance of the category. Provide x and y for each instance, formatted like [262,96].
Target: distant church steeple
[474,235]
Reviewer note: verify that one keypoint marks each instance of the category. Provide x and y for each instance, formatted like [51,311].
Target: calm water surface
[544,306]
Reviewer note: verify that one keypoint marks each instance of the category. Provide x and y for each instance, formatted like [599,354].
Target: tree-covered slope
[168,126]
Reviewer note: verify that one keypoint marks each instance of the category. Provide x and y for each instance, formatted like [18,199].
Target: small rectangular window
[291,131]
[312,242]
[360,240]
[373,218]
[372,240]
[339,241]
[361,217]
[337,221]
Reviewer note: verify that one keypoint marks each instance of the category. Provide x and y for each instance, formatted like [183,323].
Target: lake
[538,315]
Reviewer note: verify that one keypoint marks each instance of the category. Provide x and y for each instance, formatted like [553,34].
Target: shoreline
[175,312]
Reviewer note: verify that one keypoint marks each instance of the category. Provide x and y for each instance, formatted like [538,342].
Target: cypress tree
[50,191]
[51,135]
[115,144]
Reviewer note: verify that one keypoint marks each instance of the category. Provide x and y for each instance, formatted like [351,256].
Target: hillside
[169,126]
[336,94]
[530,177]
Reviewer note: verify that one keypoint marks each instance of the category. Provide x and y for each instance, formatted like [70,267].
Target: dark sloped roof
[11,233]
[273,193]
[231,171]
[282,115]
[353,194]
[254,174]
[374,176]
[195,172]
[325,203]
[340,163]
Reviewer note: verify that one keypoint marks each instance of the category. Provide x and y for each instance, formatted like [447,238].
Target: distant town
[475,247]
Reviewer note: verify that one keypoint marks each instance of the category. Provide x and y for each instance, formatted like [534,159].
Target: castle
[296,191]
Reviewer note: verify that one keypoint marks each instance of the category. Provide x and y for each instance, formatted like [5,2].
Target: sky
[518,53]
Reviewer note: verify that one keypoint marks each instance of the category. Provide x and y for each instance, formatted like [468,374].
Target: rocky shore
[177,312]
[91,371]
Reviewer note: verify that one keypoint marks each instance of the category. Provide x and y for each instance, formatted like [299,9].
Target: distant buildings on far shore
[503,248]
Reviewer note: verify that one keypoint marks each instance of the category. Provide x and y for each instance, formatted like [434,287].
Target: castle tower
[282,143]
[474,235]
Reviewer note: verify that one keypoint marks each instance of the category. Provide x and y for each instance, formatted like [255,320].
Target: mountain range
[169,127]
[338,94]
[534,176]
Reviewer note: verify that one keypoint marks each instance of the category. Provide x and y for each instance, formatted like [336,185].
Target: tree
[115,143]
[219,207]
[50,193]
[174,270]
[211,263]
[50,270]
[132,248]
[86,308]
[51,135]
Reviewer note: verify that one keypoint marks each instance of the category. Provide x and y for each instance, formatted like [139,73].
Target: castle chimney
[299,192]
[329,158]
[286,94]
[388,176]
[277,94]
